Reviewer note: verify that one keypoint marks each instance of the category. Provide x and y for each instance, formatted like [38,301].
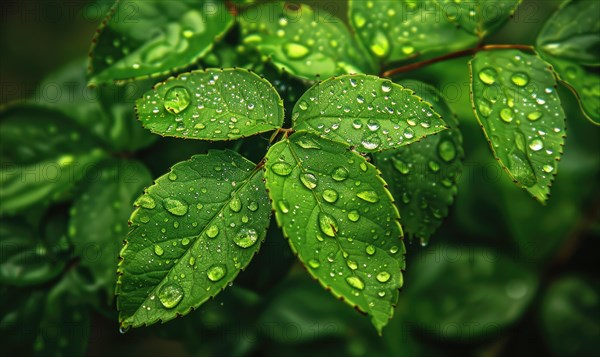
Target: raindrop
[281,168]
[536,144]
[535,115]
[401,166]
[216,272]
[507,115]
[309,180]
[370,141]
[295,50]
[488,75]
[175,207]
[235,204]
[158,250]
[548,168]
[409,133]
[369,196]
[339,174]
[370,249]
[145,201]
[245,238]
[353,215]
[253,206]
[330,195]
[327,224]
[386,86]
[383,276]
[380,44]
[212,231]
[313,263]
[170,295]
[355,282]
[303,105]
[520,79]
[283,207]
[447,150]
[352,264]
[176,99]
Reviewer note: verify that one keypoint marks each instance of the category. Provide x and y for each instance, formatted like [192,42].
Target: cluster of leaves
[202,222]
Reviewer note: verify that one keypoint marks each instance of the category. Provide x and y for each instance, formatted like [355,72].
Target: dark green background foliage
[489,156]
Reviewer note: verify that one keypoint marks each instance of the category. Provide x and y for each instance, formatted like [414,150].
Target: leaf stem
[452,55]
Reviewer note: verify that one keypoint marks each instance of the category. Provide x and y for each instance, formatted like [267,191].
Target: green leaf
[422,176]
[368,112]
[570,41]
[479,17]
[26,258]
[213,104]
[340,220]
[466,293]
[64,329]
[124,132]
[303,41]
[99,216]
[20,314]
[43,154]
[570,315]
[106,110]
[515,100]
[573,33]
[399,30]
[141,38]
[192,233]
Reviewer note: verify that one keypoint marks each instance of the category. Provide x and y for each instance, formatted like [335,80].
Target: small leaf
[213,104]
[474,288]
[192,233]
[99,216]
[368,112]
[422,176]
[399,30]
[340,220]
[570,41]
[43,154]
[303,41]
[570,315]
[140,38]
[26,258]
[515,100]
[479,17]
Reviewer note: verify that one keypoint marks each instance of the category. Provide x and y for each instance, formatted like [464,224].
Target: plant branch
[452,55]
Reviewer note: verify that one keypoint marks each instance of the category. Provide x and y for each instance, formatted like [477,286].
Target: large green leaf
[479,17]
[422,176]
[340,219]
[570,41]
[515,100]
[43,154]
[303,41]
[192,233]
[466,293]
[99,216]
[140,38]
[26,258]
[399,30]
[367,112]
[570,316]
[213,104]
